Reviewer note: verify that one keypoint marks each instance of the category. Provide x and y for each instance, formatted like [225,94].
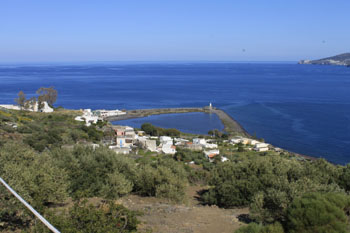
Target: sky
[172,30]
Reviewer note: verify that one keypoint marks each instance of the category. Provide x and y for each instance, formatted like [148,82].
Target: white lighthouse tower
[210,106]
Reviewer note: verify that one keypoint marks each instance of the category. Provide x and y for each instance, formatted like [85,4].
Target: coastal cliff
[339,60]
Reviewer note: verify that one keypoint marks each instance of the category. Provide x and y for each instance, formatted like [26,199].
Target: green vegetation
[157,131]
[36,162]
[47,159]
[317,212]
[272,185]
[88,218]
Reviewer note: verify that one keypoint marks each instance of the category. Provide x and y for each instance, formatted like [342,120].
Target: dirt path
[163,216]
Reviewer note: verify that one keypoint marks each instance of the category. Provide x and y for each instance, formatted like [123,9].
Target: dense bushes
[97,172]
[255,228]
[35,177]
[163,177]
[157,131]
[102,173]
[88,218]
[50,177]
[197,157]
[268,184]
[319,213]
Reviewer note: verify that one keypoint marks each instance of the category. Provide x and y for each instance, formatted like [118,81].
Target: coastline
[231,126]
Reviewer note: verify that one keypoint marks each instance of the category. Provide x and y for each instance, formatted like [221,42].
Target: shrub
[88,218]
[319,213]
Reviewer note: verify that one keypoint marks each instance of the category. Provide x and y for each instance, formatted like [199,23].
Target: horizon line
[138,61]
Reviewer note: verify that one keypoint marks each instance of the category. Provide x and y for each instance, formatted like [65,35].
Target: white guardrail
[42,219]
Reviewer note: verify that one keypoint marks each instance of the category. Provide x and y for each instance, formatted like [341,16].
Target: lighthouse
[210,106]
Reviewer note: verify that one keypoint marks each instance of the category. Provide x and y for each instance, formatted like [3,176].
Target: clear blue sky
[163,30]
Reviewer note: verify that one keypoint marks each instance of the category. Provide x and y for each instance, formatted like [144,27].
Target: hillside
[64,169]
[339,60]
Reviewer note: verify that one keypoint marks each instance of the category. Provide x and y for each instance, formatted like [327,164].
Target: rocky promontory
[339,60]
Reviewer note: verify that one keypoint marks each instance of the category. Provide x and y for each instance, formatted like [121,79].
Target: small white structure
[124,142]
[33,108]
[168,149]
[10,106]
[44,108]
[238,139]
[109,113]
[148,144]
[88,117]
[199,141]
[224,159]
[211,154]
[211,146]
[253,142]
[277,149]
[260,147]
[165,140]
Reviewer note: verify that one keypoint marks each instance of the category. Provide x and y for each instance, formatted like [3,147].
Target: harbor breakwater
[231,126]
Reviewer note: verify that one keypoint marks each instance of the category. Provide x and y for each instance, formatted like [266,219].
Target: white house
[109,113]
[253,142]
[165,140]
[236,140]
[211,154]
[124,142]
[44,108]
[88,117]
[200,141]
[168,149]
[260,147]
[10,106]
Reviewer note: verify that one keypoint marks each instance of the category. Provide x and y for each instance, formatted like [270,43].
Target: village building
[32,108]
[260,147]
[108,113]
[168,149]
[211,146]
[165,140]
[199,141]
[253,142]
[88,117]
[148,144]
[211,154]
[194,147]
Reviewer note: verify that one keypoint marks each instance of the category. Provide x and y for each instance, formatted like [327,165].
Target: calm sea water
[301,108]
[195,122]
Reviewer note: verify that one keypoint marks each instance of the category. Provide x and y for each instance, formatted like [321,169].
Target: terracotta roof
[212,155]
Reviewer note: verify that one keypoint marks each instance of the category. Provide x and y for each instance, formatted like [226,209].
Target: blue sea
[302,108]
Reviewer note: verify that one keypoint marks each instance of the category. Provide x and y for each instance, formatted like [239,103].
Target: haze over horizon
[154,30]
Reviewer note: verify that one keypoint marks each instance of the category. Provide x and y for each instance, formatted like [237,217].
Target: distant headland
[338,60]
